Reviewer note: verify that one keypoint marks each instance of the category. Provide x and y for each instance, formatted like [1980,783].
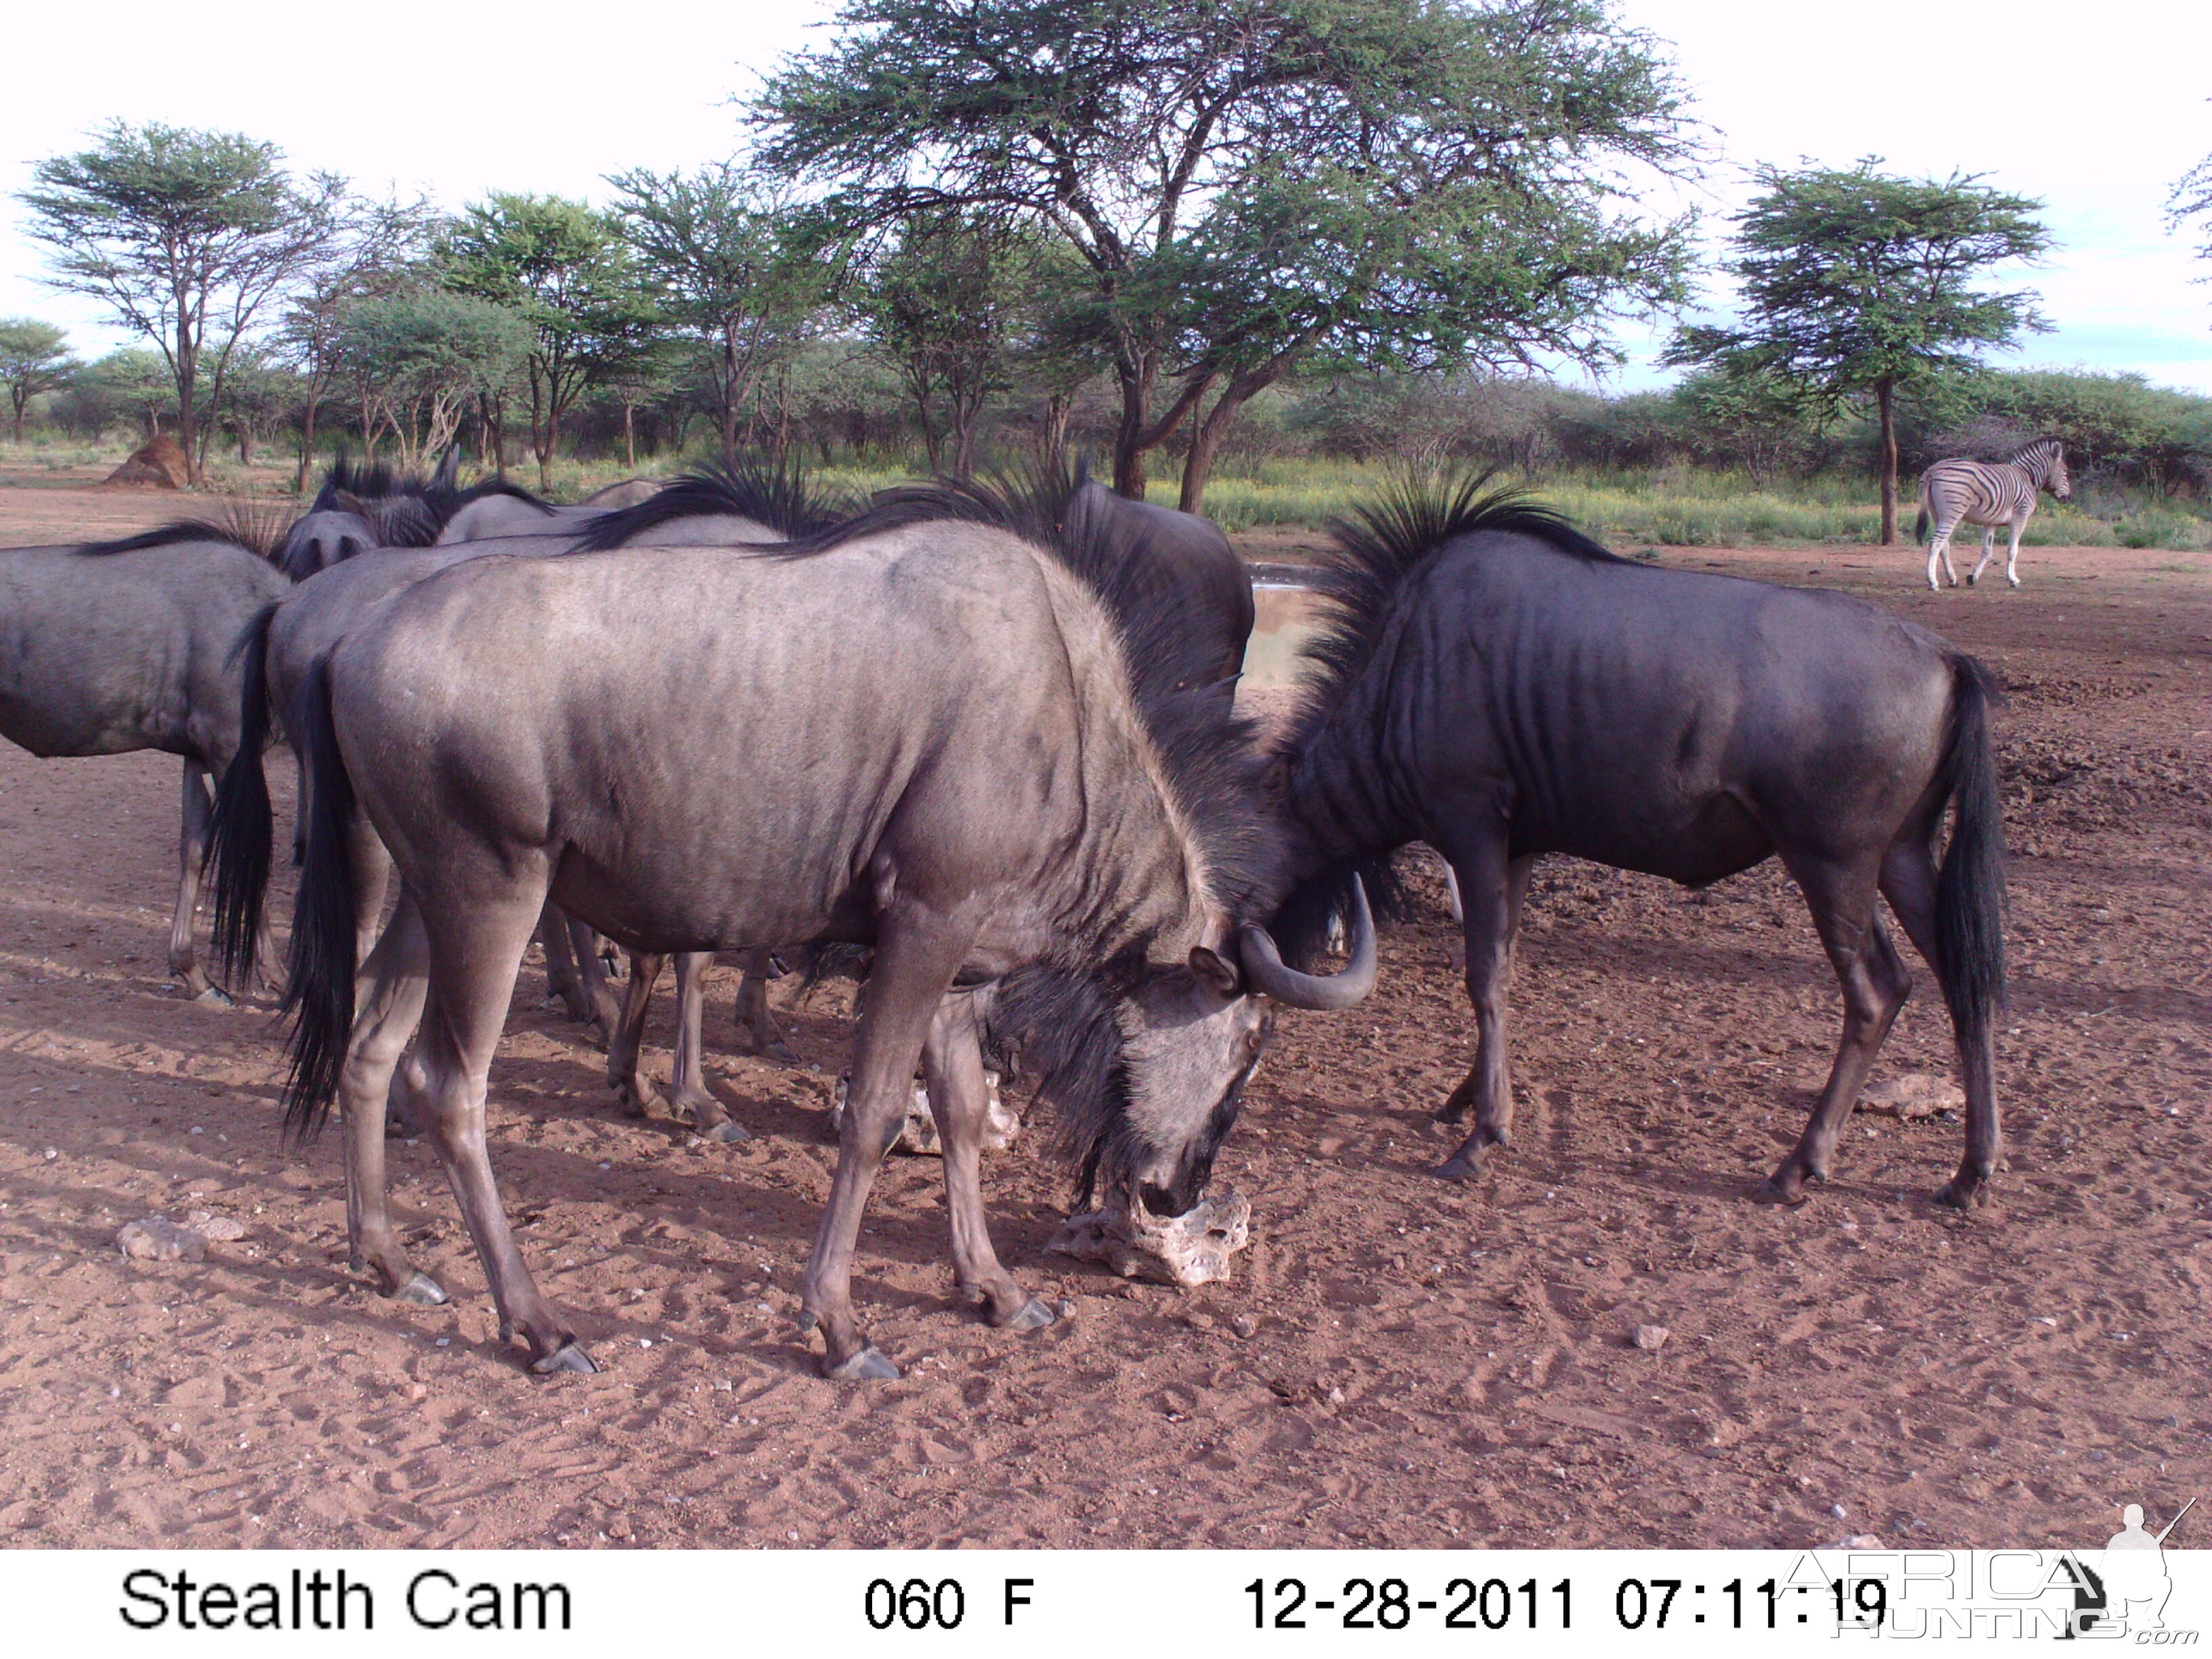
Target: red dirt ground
[1400,1362]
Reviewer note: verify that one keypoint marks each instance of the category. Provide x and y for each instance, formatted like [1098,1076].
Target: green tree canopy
[566,270]
[35,357]
[421,358]
[734,264]
[186,235]
[1251,182]
[1857,286]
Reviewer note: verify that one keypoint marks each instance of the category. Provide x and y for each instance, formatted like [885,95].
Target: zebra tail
[238,853]
[1920,524]
[1970,886]
[318,988]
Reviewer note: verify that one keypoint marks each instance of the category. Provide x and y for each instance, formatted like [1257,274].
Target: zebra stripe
[1959,491]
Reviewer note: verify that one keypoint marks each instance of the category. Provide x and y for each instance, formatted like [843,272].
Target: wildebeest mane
[1056,1026]
[408,510]
[777,494]
[1381,548]
[1210,753]
[255,529]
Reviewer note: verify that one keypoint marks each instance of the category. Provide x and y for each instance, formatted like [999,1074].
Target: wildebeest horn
[1264,967]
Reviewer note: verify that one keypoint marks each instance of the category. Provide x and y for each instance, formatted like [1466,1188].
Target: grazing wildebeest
[110,646]
[1988,494]
[1496,684]
[1004,811]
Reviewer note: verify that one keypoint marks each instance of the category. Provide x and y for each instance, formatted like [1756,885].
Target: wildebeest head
[1149,1073]
[319,540]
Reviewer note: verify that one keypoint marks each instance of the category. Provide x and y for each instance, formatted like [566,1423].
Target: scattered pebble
[1243,1324]
[1838,1510]
[1652,1338]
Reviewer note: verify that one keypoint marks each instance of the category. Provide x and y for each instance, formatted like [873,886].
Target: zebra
[1988,495]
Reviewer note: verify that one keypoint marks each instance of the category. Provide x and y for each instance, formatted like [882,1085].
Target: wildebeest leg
[917,953]
[561,978]
[752,1011]
[626,1044]
[1492,889]
[1875,982]
[191,850]
[1908,881]
[473,960]
[601,1010]
[389,1007]
[687,1079]
[959,1099]
[372,877]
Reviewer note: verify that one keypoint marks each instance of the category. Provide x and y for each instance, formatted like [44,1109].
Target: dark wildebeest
[1004,811]
[110,646]
[1497,686]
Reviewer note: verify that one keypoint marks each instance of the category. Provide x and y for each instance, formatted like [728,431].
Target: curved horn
[1264,969]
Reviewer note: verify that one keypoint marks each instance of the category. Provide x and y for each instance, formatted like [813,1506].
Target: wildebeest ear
[1215,971]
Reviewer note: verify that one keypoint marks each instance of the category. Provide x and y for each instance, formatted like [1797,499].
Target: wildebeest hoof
[727,1130]
[215,997]
[1461,1166]
[808,1319]
[422,1290]
[569,1357]
[780,1052]
[870,1364]
[1770,1191]
[1956,1195]
[1035,1313]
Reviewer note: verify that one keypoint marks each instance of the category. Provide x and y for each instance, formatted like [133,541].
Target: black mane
[777,495]
[255,530]
[1384,546]
[1387,544]
[409,510]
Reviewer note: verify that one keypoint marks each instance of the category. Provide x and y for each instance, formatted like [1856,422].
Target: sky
[2094,111]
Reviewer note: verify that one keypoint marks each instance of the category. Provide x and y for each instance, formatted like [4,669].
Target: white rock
[156,1239]
[215,1229]
[1652,1338]
[1913,1095]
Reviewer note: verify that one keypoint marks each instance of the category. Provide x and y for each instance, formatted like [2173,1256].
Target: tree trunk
[1052,443]
[20,401]
[629,437]
[1206,436]
[1883,390]
[306,446]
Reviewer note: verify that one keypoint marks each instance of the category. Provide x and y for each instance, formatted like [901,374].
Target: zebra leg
[1989,550]
[1941,548]
[2012,556]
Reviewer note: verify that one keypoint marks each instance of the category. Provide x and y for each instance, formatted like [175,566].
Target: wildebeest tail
[1970,887]
[238,853]
[318,988]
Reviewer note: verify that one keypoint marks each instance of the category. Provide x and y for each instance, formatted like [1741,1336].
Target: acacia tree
[420,358]
[1857,286]
[734,262]
[186,235]
[380,248]
[566,270]
[947,304]
[1250,183]
[35,357]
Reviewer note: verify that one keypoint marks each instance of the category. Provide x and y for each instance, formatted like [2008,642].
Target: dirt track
[1426,1365]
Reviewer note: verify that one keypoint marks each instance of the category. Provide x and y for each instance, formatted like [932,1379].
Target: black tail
[318,987]
[238,854]
[1920,524]
[1970,890]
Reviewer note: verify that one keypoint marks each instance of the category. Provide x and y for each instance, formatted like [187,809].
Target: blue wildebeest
[1005,813]
[1497,686]
[110,646]
[752,505]
[1988,494]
